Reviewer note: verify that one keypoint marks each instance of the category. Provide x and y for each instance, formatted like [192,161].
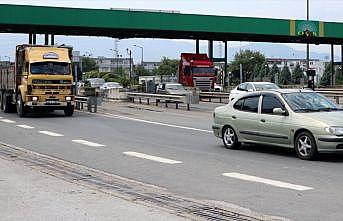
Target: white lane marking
[7,121]
[51,133]
[1,117]
[88,143]
[267,181]
[153,122]
[25,126]
[150,157]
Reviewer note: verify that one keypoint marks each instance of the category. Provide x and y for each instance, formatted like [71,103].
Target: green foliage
[249,60]
[141,71]
[88,64]
[273,72]
[285,77]
[167,67]
[325,79]
[297,74]
[256,71]
[264,71]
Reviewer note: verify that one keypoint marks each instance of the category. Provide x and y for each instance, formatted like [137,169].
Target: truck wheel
[69,110]
[1,101]
[21,110]
[6,103]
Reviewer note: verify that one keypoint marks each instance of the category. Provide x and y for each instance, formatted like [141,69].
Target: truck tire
[1,101]
[6,103]
[21,110]
[69,110]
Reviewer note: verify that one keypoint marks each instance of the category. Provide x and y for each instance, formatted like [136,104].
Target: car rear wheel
[230,139]
[305,146]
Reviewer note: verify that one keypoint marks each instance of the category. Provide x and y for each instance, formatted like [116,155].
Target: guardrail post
[220,100]
[177,105]
[166,103]
[188,107]
[210,99]
[148,101]
[156,102]
[140,100]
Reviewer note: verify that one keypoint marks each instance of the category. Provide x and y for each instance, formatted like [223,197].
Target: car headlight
[34,98]
[338,131]
[68,98]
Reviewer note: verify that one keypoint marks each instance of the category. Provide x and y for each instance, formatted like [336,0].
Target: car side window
[249,87]
[269,103]
[242,87]
[251,104]
[238,104]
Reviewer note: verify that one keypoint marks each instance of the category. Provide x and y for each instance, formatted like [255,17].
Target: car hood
[330,118]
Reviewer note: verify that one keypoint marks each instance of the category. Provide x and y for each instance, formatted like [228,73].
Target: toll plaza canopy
[121,23]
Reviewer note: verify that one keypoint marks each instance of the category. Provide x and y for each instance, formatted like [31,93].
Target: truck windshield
[203,70]
[50,68]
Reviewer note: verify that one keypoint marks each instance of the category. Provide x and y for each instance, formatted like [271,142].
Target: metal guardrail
[214,95]
[91,103]
[177,99]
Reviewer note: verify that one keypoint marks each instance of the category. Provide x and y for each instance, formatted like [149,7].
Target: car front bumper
[217,130]
[330,144]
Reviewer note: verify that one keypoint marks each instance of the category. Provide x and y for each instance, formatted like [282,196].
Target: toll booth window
[50,68]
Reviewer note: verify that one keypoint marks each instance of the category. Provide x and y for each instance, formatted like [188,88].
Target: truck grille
[51,87]
[40,81]
[203,83]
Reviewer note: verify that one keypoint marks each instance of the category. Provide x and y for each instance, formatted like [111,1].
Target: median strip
[267,181]
[88,143]
[153,158]
[7,121]
[25,126]
[51,133]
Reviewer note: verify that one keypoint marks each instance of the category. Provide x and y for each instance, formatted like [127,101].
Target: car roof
[260,82]
[273,91]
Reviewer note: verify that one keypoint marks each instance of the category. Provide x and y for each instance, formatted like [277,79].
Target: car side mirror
[279,111]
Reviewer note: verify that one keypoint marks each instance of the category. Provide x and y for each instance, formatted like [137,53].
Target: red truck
[196,70]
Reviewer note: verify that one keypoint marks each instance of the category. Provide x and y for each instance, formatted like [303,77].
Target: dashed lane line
[51,133]
[25,126]
[7,121]
[150,157]
[267,181]
[88,143]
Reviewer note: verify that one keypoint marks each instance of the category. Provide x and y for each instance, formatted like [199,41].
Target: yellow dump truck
[41,80]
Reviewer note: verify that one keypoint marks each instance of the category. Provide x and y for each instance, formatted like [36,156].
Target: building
[315,64]
[151,65]
[111,64]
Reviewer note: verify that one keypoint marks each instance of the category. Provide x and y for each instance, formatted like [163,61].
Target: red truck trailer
[196,70]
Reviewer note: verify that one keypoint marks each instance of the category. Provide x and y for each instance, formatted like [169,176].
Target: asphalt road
[125,139]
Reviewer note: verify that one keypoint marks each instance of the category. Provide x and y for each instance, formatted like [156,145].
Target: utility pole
[308,45]
[141,47]
[129,52]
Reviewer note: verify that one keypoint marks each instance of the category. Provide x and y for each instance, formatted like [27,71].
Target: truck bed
[7,77]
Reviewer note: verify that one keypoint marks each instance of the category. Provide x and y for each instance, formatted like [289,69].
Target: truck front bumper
[54,104]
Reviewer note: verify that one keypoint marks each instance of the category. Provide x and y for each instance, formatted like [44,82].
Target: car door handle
[263,120]
[234,117]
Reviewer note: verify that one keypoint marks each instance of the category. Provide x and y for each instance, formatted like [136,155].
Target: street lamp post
[129,52]
[116,57]
[9,60]
[142,52]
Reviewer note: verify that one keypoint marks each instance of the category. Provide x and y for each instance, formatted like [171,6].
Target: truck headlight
[68,98]
[34,98]
[338,131]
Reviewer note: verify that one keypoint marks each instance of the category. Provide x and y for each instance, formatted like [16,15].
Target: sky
[323,10]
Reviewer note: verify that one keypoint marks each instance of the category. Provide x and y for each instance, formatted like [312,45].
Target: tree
[325,79]
[285,77]
[264,71]
[249,59]
[141,71]
[88,64]
[273,72]
[167,67]
[256,71]
[297,74]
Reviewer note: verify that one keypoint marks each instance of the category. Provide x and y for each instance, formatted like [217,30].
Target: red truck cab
[196,70]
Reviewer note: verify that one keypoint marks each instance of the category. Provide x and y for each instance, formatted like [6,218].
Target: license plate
[52,103]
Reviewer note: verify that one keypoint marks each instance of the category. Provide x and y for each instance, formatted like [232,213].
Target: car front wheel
[230,139]
[305,146]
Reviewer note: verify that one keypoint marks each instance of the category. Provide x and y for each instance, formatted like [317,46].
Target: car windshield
[261,87]
[50,68]
[202,70]
[175,87]
[309,101]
